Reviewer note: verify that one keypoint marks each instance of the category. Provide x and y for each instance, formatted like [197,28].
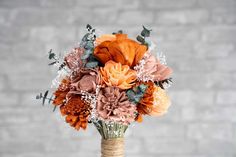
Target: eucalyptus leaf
[145,32]
[140,39]
[45,97]
[91,64]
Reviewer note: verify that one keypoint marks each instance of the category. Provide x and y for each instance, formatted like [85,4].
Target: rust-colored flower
[61,92]
[146,103]
[85,80]
[115,74]
[73,59]
[113,105]
[155,102]
[122,50]
[76,112]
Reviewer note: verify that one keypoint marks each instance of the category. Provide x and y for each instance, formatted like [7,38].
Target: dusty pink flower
[150,68]
[85,80]
[73,59]
[113,105]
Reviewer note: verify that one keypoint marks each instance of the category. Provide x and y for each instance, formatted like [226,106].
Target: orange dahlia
[61,92]
[146,103]
[119,48]
[117,75]
[76,112]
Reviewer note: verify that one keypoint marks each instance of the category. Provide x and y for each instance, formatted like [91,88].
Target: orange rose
[105,37]
[115,74]
[121,49]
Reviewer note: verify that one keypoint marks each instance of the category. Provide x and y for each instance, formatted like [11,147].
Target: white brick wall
[198,38]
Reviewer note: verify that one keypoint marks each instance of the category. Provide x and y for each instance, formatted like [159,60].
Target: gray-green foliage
[135,94]
[88,44]
[145,33]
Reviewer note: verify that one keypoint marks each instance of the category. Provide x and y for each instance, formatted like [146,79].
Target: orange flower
[122,50]
[105,37]
[117,75]
[155,102]
[76,112]
[146,103]
[61,92]
[161,102]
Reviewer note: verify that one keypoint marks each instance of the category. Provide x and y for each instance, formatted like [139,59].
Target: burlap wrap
[112,147]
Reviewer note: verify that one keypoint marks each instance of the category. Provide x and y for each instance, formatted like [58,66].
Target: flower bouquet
[110,81]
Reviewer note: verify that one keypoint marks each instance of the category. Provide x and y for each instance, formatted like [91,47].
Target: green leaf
[51,55]
[54,108]
[52,63]
[145,32]
[89,45]
[136,94]
[91,64]
[142,87]
[140,39]
[50,99]
[89,27]
[45,97]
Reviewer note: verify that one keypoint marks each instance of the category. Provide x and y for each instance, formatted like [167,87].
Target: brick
[44,17]
[181,17]
[16,3]
[170,146]
[108,4]
[20,146]
[134,146]
[5,100]
[160,4]
[223,16]
[192,98]
[17,68]
[215,147]
[210,131]
[216,114]
[197,65]
[106,15]
[226,97]
[220,80]
[217,3]
[225,65]
[8,34]
[179,49]
[5,50]
[160,129]
[178,34]
[135,18]
[222,34]
[3,83]
[25,83]
[213,50]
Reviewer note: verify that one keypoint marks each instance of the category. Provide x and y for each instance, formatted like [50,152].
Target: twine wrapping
[112,147]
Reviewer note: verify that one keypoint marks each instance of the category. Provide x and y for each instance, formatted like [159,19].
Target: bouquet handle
[113,147]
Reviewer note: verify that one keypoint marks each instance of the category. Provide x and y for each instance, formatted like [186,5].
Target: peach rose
[161,102]
[117,75]
[122,50]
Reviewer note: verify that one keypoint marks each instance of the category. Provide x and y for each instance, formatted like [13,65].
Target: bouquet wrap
[113,147]
[111,81]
